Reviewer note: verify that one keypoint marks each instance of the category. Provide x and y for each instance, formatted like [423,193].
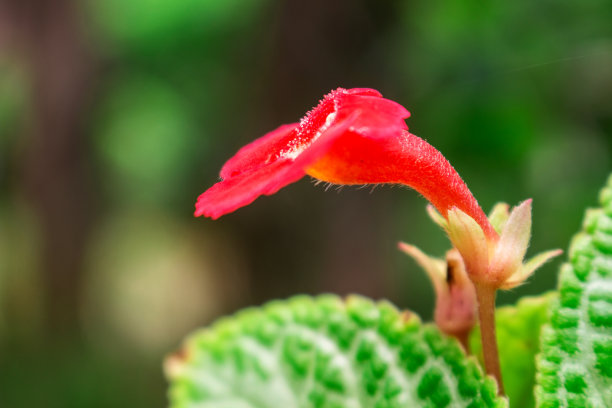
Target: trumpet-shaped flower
[353,136]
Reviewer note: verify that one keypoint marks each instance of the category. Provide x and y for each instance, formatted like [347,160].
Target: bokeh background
[115,115]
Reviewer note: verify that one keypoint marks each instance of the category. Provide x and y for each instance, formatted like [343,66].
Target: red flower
[354,136]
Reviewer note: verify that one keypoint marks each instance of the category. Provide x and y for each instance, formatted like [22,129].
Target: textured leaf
[518,335]
[575,366]
[325,352]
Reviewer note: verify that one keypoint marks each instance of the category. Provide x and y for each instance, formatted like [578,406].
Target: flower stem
[486,314]
[463,338]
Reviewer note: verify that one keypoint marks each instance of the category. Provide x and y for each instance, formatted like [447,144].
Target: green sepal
[325,352]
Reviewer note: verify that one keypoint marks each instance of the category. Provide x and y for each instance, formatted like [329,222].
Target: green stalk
[486,313]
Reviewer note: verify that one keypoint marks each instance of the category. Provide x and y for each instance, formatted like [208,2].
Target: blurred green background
[115,115]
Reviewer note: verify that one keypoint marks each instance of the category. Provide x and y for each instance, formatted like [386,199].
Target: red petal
[375,114]
[378,117]
[263,178]
[259,152]
[362,91]
[235,192]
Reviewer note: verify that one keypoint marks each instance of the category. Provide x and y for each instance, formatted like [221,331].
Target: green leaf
[518,336]
[575,366]
[325,352]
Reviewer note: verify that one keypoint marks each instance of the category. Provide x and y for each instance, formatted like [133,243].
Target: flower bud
[455,311]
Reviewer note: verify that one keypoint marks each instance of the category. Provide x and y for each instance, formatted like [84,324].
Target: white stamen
[295,148]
